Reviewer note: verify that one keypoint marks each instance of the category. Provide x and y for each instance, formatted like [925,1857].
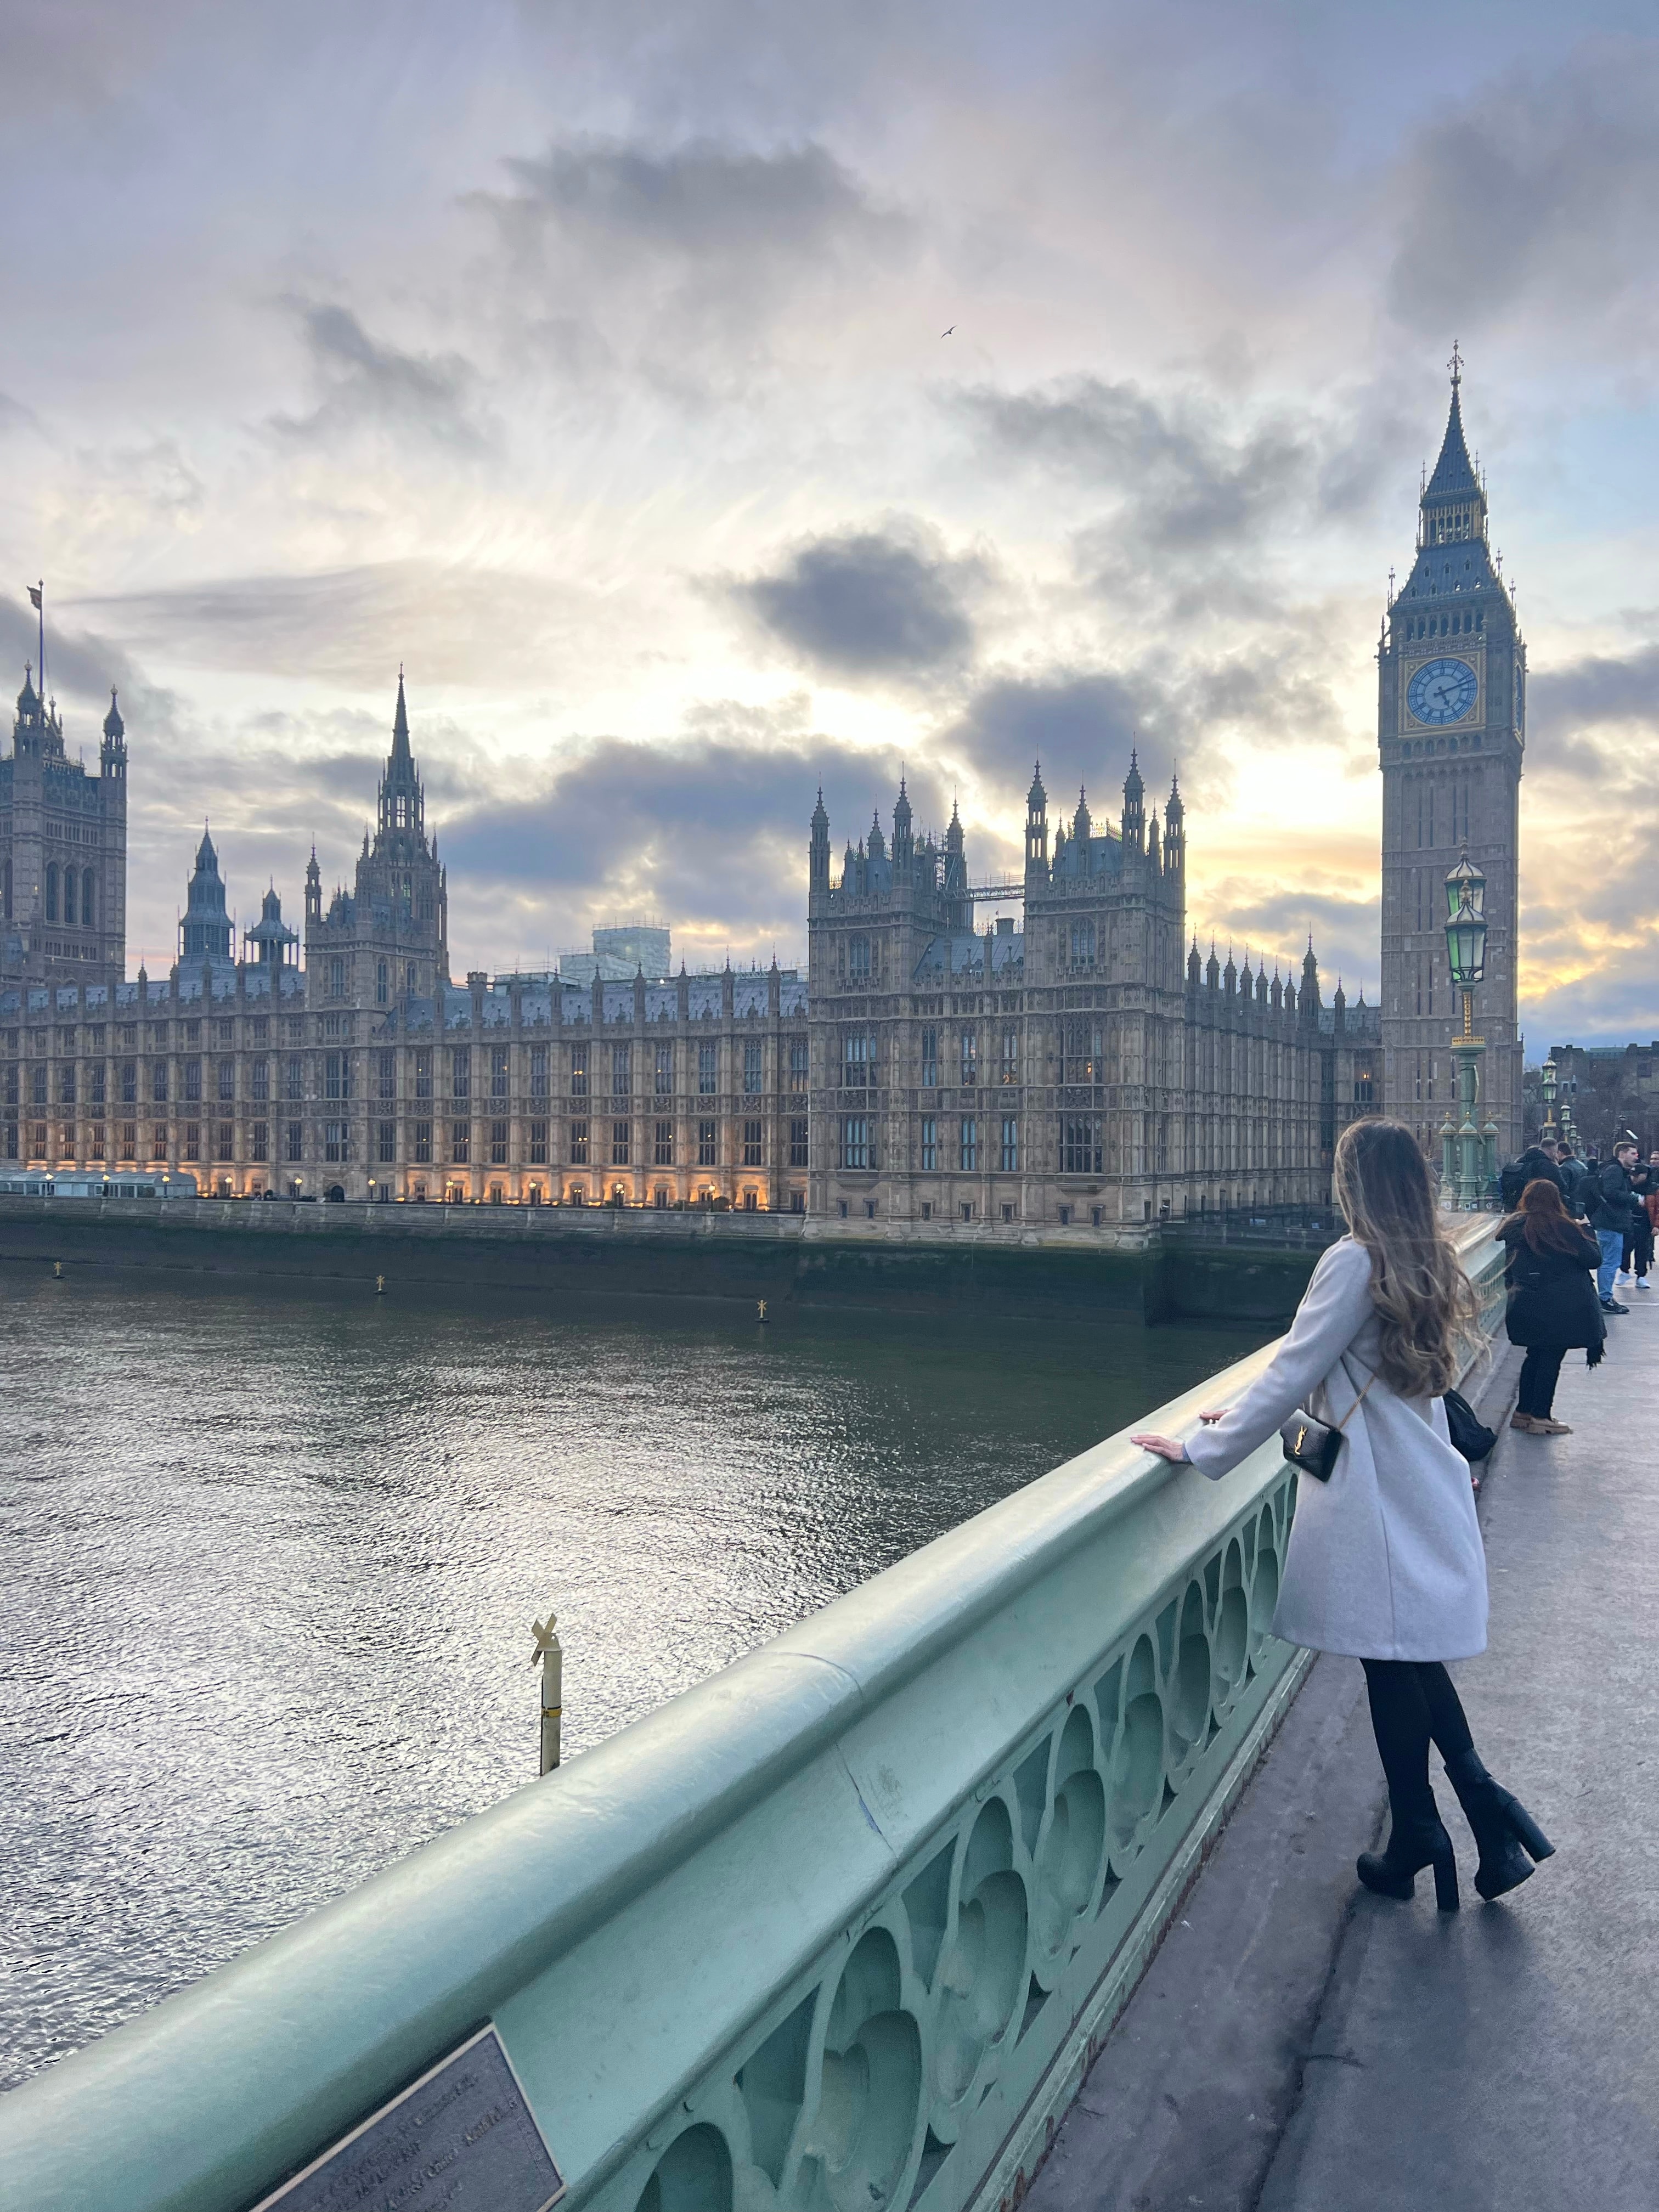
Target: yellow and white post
[552,1658]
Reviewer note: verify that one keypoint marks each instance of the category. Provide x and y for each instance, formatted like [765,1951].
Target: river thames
[272,1553]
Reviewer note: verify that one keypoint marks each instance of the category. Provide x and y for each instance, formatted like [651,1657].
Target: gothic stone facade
[1079,1072]
[370,1074]
[63,852]
[1450,731]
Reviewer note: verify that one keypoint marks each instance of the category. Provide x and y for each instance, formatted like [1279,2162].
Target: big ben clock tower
[1451,708]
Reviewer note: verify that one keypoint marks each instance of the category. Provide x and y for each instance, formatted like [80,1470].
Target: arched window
[336,978]
[88,903]
[51,892]
[382,983]
[409,979]
[69,895]
[5,892]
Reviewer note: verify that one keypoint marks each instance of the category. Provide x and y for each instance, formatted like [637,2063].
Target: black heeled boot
[1509,1838]
[1412,1846]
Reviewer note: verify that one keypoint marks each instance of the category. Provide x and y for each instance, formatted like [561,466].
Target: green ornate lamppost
[1546,1075]
[1468,1152]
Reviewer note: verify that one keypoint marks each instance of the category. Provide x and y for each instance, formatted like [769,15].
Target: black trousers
[1540,1371]
[1638,1249]
[1413,1703]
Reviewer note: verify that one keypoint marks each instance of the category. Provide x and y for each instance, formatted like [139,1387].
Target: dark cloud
[698,202]
[365,383]
[1189,483]
[1539,188]
[713,832]
[81,664]
[1201,500]
[1208,715]
[1081,725]
[878,603]
[1598,689]
[680,262]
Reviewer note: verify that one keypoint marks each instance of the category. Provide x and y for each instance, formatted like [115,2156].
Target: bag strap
[1354,1409]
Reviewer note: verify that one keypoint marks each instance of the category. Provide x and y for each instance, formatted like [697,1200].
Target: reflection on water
[271,1551]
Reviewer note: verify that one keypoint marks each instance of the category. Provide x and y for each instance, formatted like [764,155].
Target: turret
[1037,825]
[1175,831]
[817,850]
[314,889]
[1082,821]
[1135,807]
[113,753]
[204,933]
[1308,998]
[1194,968]
[402,801]
[905,842]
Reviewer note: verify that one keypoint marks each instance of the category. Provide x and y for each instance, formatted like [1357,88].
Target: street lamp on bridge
[1468,1152]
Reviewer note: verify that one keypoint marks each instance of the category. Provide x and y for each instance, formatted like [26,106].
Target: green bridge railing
[839,1929]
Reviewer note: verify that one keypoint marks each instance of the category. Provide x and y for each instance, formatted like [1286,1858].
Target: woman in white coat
[1385,1561]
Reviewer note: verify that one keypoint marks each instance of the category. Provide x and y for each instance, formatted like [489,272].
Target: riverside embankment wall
[786,1257]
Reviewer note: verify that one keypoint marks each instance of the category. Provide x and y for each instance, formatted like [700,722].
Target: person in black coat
[1553,1308]
[1538,1160]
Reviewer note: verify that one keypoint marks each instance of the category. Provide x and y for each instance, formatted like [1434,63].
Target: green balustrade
[838,1930]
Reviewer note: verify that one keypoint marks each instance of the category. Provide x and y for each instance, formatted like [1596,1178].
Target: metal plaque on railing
[462,2136]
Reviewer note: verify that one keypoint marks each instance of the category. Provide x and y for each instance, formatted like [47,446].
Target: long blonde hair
[1423,1300]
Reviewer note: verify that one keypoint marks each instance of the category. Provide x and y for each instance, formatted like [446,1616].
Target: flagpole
[41,608]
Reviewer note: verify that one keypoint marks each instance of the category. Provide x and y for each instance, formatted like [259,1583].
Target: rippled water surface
[269,1556]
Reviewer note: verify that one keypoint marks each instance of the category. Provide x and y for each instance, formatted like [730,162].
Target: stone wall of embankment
[786,1257]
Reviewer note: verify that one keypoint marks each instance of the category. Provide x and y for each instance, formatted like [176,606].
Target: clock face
[1442,691]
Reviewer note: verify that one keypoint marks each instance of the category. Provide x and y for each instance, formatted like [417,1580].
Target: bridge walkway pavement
[1299,2045]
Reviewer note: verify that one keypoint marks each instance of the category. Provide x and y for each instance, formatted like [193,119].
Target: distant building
[63,852]
[1607,1091]
[621,952]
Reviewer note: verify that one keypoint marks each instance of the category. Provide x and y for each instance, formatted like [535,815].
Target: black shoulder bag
[1309,1445]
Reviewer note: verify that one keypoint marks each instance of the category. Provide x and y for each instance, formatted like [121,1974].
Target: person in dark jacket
[1552,1304]
[1612,1216]
[1573,1173]
[1537,1161]
[1638,1239]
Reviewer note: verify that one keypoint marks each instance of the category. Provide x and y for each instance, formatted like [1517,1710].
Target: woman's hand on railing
[1169,1448]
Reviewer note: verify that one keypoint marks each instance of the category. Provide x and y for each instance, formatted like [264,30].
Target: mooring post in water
[761,1316]
[552,1658]
[379,1286]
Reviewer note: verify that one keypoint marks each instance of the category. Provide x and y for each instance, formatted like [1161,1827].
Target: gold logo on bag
[1301,1438]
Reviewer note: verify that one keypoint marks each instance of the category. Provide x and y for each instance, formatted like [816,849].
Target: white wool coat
[1385,1560]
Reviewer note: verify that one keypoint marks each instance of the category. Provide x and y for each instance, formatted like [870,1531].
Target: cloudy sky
[587,360]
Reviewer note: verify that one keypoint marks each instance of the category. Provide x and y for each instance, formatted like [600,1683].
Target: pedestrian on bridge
[1552,1304]
[1385,1562]
[1615,1212]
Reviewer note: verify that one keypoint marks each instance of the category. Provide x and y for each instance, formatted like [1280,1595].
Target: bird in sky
[945,334]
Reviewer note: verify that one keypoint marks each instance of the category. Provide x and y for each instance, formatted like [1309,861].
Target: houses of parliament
[1086,1073]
